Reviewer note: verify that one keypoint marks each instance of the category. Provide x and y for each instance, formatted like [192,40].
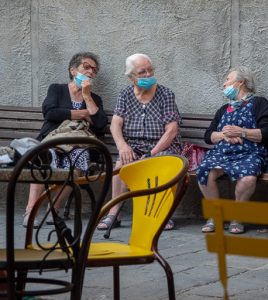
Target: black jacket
[57,108]
[260,111]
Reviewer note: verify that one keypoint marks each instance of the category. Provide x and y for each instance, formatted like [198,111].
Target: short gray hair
[131,60]
[246,75]
[76,60]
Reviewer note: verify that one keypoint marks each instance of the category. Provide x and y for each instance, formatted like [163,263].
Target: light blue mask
[146,82]
[236,104]
[231,92]
[79,78]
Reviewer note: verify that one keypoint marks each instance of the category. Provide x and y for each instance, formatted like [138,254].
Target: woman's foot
[209,226]
[106,222]
[26,219]
[170,225]
[236,227]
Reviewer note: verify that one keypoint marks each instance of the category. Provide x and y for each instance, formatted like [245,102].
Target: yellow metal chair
[222,243]
[156,186]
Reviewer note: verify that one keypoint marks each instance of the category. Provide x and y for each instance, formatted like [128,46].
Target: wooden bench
[19,122]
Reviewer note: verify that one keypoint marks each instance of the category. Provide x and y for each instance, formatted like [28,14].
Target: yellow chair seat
[32,256]
[116,250]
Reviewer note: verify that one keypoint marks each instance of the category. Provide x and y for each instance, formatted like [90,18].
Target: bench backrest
[19,122]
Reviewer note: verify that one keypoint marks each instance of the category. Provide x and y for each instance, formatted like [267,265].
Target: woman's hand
[233,140]
[86,89]
[232,131]
[126,154]
[86,93]
[80,114]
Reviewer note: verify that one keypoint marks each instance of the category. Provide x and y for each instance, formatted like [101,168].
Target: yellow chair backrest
[221,243]
[150,211]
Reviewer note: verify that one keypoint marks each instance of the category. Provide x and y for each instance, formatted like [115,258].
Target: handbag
[70,128]
[194,153]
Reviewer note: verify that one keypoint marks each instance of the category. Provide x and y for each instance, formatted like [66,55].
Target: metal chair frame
[70,247]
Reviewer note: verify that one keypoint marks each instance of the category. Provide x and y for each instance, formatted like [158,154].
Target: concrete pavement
[195,270]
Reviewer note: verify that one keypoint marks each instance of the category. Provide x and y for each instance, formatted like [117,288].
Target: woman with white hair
[239,132]
[145,123]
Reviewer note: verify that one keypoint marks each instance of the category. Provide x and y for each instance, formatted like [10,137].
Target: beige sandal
[209,226]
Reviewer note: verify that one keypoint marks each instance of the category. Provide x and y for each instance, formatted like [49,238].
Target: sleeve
[214,124]
[53,111]
[261,114]
[170,109]
[120,108]
[99,119]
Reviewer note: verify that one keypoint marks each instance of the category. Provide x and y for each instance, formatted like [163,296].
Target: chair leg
[116,283]
[68,202]
[67,205]
[169,275]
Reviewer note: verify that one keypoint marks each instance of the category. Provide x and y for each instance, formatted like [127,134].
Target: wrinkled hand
[80,114]
[233,140]
[126,154]
[231,131]
[86,89]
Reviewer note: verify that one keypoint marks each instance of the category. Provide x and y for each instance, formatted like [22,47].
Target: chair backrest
[221,243]
[72,237]
[163,179]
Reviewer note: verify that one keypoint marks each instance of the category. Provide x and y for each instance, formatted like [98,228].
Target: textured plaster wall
[192,43]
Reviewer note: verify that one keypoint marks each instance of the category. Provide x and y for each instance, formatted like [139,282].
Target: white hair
[246,75]
[130,61]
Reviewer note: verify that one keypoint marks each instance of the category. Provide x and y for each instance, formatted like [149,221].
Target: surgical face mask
[146,82]
[79,78]
[231,92]
[236,104]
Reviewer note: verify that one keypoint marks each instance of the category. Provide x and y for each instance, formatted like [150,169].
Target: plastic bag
[9,155]
[194,154]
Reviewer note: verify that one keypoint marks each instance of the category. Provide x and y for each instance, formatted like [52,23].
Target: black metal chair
[62,247]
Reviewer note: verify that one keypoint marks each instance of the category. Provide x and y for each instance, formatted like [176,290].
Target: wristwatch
[243,134]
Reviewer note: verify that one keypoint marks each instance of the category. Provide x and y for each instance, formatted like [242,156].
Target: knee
[246,184]
[248,181]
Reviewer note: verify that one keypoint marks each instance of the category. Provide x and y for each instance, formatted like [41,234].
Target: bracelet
[147,154]
[243,134]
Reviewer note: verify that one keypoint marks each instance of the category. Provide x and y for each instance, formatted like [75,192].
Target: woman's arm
[126,153]
[53,108]
[212,136]
[171,131]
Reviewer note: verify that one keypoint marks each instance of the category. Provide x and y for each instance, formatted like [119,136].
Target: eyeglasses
[144,72]
[87,66]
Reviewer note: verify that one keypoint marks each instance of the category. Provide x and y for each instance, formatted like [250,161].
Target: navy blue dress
[236,160]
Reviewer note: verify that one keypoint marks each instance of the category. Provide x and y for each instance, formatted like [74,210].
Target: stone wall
[192,43]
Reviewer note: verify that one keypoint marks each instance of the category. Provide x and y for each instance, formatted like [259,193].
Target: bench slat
[30,125]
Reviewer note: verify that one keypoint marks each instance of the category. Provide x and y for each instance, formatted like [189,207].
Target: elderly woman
[71,101]
[145,123]
[239,132]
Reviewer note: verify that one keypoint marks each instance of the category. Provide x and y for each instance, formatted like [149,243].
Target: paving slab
[195,270]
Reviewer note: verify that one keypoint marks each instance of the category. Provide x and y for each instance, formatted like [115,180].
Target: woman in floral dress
[239,132]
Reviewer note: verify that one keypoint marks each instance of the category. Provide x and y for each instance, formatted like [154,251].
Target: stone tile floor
[195,270]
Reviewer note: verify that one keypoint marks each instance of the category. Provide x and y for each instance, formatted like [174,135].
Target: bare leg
[245,188]
[37,189]
[35,192]
[118,187]
[211,190]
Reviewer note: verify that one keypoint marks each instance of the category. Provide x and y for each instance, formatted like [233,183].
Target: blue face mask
[236,104]
[79,78]
[146,82]
[231,92]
